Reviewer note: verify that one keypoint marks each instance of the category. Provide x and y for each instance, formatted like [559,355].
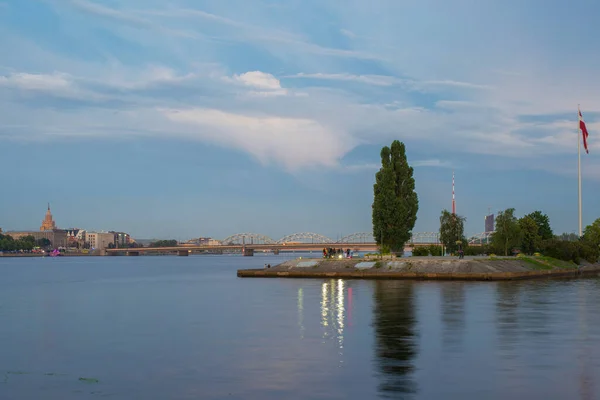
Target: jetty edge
[426,268]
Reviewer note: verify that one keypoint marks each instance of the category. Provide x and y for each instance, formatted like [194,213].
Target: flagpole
[579,164]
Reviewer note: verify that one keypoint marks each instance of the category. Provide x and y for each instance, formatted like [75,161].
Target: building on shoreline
[202,241]
[48,223]
[100,240]
[48,230]
[57,237]
[74,237]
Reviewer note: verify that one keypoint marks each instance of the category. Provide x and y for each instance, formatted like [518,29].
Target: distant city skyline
[210,119]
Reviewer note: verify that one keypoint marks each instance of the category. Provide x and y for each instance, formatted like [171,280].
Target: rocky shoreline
[435,268]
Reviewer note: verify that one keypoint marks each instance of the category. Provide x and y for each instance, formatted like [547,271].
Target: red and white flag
[584,132]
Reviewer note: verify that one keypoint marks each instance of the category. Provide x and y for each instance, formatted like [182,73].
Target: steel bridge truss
[481,238]
[425,237]
[358,237]
[247,238]
[305,237]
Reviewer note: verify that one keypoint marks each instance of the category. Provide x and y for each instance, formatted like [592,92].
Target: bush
[572,251]
[561,250]
[476,250]
[589,251]
[435,250]
[420,251]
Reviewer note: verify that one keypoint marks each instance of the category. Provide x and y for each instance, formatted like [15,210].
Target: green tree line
[530,234]
[7,243]
[394,213]
[164,243]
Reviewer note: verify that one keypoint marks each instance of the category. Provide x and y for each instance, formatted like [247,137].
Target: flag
[584,132]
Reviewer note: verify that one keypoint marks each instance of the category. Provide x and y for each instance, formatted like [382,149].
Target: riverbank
[21,255]
[426,268]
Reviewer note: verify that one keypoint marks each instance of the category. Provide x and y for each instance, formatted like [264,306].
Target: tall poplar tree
[395,202]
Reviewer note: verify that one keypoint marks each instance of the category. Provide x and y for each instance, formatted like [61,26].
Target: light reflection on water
[186,327]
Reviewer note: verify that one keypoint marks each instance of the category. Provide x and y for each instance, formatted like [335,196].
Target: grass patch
[540,263]
[557,263]
[535,263]
[378,264]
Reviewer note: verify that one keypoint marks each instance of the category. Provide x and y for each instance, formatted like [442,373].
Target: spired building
[48,223]
[48,230]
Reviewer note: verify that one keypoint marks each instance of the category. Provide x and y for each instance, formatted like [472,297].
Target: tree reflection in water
[394,322]
[453,315]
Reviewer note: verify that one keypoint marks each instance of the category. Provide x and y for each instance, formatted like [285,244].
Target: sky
[188,118]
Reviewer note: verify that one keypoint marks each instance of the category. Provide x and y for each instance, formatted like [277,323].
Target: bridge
[248,243]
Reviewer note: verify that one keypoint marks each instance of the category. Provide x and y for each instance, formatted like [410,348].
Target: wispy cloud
[348,33]
[55,82]
[127,17]
[384,80]
[432,163]
[458,105]
[377,80]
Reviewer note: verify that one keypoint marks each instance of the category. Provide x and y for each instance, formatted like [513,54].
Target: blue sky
[190,118]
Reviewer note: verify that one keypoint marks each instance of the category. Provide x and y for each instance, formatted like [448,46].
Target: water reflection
[396,349]
[507,322]
[586,383]
[301,312]
[453,314]
[333,311]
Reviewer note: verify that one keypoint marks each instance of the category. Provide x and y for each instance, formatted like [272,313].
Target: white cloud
[258,79]
[55,82]
[292,142]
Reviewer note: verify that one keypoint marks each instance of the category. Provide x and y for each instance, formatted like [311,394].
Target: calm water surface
[188,328]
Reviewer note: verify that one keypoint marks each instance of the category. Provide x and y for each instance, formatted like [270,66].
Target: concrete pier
[426,268]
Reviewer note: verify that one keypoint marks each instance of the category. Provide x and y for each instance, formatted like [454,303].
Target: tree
[591,234]
[452,229]
[43,242]
[568,237]
[543,224]
[28,239]
[507,234]
[530,237]
[395,202]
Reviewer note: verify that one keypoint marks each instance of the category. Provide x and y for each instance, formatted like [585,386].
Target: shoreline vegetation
[427,268]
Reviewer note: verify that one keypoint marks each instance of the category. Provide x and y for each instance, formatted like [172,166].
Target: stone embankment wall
[483,269]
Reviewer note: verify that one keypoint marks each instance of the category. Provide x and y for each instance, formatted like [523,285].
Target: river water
[187,328]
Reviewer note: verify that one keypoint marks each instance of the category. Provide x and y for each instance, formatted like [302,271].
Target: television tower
[453,199]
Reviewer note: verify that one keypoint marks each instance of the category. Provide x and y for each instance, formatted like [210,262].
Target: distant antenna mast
[453,199]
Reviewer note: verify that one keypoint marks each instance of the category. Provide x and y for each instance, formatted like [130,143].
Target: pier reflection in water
[186,328]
